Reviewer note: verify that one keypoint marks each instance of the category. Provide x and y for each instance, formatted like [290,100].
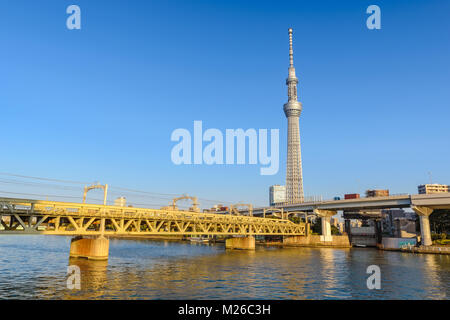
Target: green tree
[440,221]
[334,230]
[296,219]
[316,226]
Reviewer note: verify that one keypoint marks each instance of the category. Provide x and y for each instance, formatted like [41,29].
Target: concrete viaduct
[422,204]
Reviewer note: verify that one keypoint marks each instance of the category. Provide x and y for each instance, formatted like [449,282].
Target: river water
[35,267]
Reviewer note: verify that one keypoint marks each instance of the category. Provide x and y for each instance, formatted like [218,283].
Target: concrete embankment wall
[397,243]
[368,241]
[409,245]
[316,241]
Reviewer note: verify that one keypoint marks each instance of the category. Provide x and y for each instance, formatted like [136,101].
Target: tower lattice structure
[292,110]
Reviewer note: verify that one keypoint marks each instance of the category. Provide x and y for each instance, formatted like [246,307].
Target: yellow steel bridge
[65,218]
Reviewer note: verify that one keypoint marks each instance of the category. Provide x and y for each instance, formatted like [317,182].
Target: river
[35,267]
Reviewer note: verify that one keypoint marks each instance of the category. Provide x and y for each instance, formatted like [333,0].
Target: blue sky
[100,103]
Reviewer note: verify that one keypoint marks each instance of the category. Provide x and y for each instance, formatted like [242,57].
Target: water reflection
[432,264]
[332,274]
[36,267]
[93,277]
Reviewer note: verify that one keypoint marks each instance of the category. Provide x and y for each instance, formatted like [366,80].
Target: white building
[120,202]
[433,188]
[277,194]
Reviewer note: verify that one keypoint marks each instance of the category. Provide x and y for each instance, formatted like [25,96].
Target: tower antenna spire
[291,51]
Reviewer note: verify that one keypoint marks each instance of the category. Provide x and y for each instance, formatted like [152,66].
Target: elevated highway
[422,204]
[433,201]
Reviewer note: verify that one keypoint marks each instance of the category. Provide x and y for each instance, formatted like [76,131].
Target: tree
[440,221]
[316,226]
[334,230]
[296,219]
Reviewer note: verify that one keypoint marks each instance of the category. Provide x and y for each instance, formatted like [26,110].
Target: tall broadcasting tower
[292,110]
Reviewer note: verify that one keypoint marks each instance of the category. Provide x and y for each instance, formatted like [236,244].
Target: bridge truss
[64,218]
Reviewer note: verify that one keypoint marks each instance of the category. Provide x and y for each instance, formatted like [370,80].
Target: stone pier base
[95,248]
[317,241]
[244,243]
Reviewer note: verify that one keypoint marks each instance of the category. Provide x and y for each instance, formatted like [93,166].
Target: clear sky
[100,103]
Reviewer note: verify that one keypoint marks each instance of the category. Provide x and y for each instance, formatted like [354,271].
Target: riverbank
[311,241]
[422,249]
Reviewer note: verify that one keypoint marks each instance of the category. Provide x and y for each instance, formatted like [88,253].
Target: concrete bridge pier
[424,218]
[348,229]
[96,248]
[325,216]
[244,243]
[378,232]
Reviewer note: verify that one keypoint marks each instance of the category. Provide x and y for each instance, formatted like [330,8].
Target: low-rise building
[404,228]
[341,227]
[120,202]
[433,188]
[356,223]
[277,194]
[377,193]
[390,215]
[399,222]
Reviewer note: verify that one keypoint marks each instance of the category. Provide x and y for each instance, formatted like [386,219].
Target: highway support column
[244,243]
[325,216]
[348,229]
[378,232]
[96,248]
[424,218]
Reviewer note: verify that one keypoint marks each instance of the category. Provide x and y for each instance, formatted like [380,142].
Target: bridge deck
[433,201]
